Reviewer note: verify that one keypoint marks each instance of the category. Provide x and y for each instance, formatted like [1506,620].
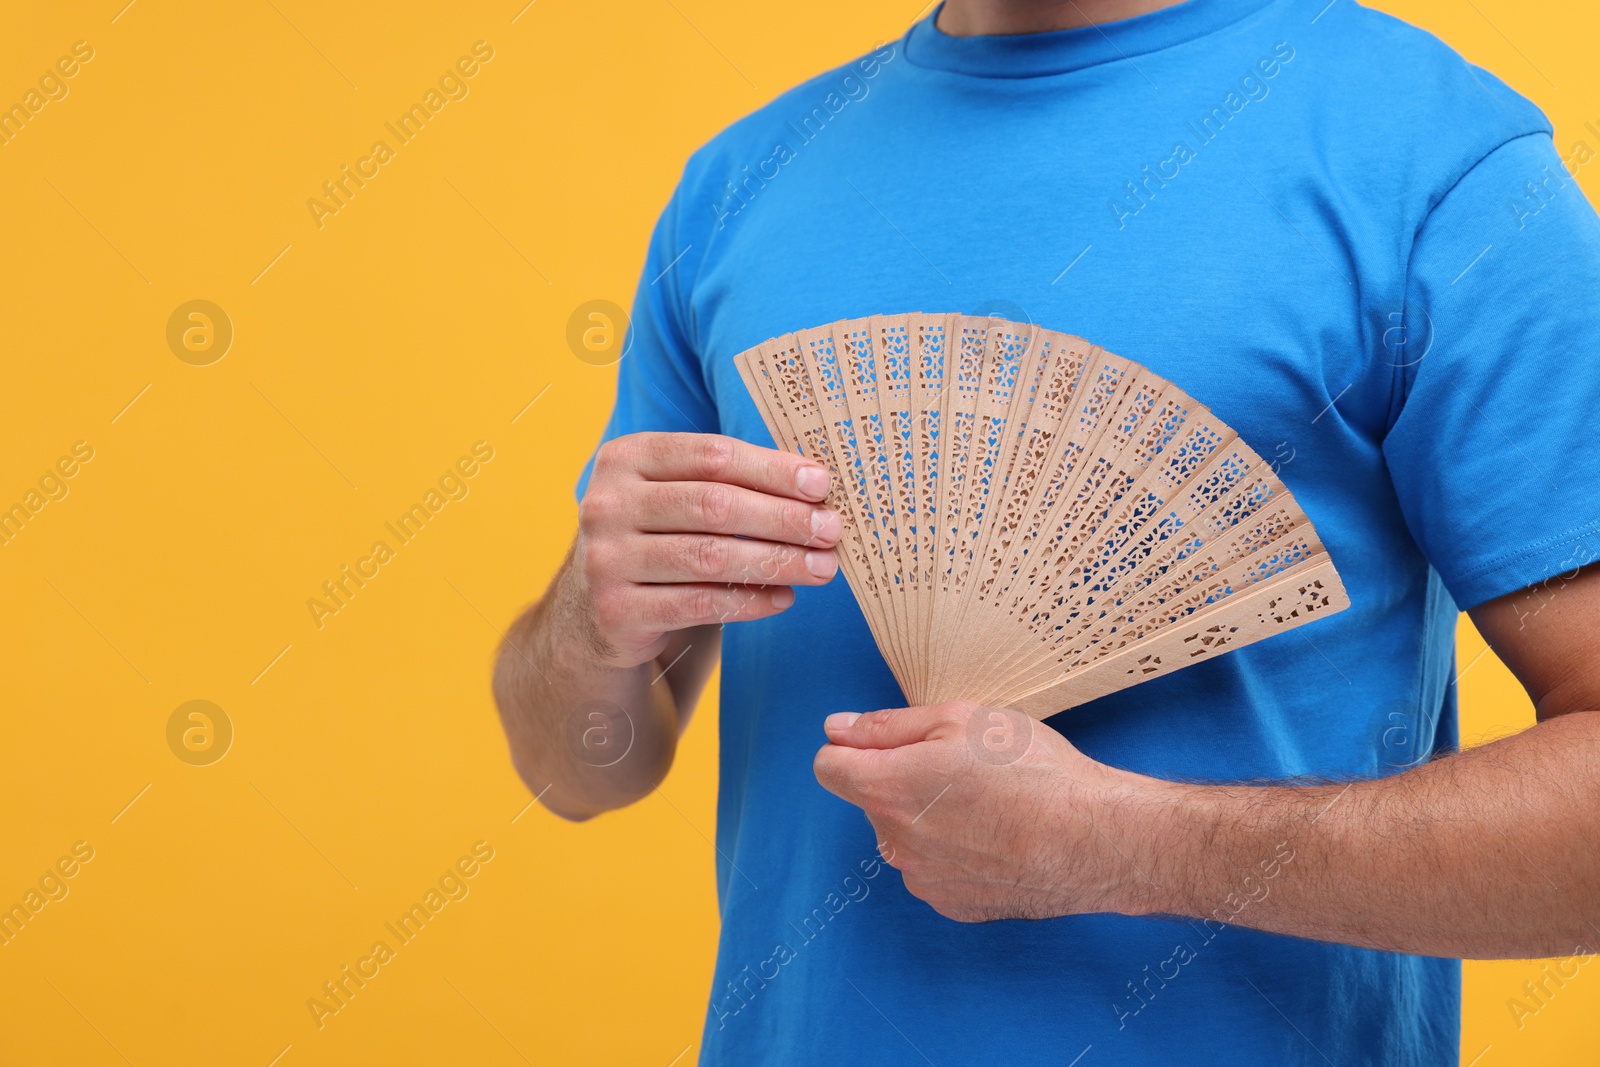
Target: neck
[971,18]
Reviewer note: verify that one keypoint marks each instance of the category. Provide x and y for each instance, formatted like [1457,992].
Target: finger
[894,727]
[713,507]
[677,607]
[706,457]
[731,560]
[842,772]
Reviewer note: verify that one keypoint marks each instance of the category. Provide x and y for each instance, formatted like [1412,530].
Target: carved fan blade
[1030,520]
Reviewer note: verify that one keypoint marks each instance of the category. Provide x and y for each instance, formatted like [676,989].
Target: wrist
[1212,851]
[581,637]
[574,642]
[1164,833]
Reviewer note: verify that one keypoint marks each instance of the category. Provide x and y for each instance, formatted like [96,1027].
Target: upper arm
[1491,448]
[1549,636]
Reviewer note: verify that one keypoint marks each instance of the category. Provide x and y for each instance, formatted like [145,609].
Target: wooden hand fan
[1029,520]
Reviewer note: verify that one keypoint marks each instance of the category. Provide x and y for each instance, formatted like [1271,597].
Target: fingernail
[782,598]
[826,525]
[821,564]
[840,720]
[812,482]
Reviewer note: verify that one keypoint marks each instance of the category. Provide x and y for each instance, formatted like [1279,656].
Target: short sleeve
[660,382]
[1494,452]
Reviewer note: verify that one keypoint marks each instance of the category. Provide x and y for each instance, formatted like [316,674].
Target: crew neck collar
[1030,55]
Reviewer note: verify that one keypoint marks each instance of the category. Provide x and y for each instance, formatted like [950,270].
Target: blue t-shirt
[1359,251]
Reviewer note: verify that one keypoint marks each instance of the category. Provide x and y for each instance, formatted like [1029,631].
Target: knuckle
[708,556]
[876,721]
[716,502]
[835,769]
[694,606]
[825,765]
[592,561]
[597,508]
[716,455]
[956,711]
[616,453]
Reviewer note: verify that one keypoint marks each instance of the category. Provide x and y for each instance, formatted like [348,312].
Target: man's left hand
[989,814]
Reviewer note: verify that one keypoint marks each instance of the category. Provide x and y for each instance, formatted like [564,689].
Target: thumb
[892,727]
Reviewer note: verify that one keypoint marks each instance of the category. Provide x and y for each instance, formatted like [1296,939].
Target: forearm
[585,736]
[1490,853]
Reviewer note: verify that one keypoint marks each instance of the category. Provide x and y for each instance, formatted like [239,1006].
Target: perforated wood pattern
[1029,519]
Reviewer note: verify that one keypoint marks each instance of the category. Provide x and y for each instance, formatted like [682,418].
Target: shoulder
[1399,91]
[762,138]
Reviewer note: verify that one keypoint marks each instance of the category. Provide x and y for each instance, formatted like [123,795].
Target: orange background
[368,356]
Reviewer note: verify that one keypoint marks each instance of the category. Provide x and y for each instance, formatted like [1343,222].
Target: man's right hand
[684,529]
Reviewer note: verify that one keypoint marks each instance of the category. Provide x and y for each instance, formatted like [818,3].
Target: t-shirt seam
[1398,387]
[1527,551]
[1121,57]
[1540,131]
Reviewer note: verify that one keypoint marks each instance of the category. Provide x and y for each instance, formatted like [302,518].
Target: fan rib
[1030,520]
